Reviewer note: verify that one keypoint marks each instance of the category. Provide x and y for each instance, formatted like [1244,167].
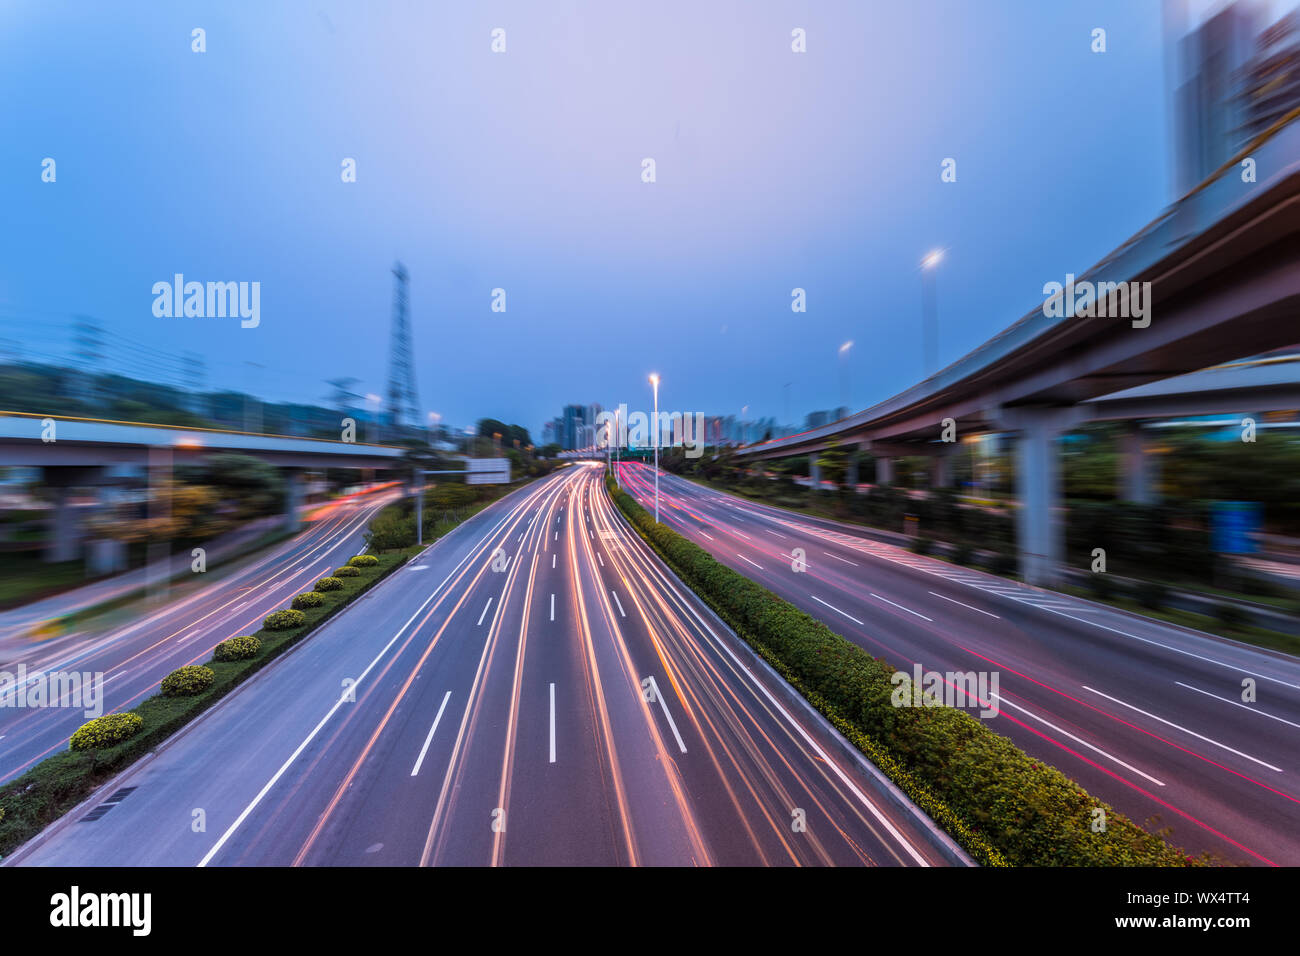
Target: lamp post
[844,374]
[654,380]
[929,312]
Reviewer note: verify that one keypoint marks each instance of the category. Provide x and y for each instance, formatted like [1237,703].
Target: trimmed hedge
[307,599]
[347,571]
[105,731]
[236,649]
[329,584]
[187,681]
[363,560]
[284,620]
[1003,806]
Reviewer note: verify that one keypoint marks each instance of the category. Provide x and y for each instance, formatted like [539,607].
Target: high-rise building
[1269,83]
[1210,117]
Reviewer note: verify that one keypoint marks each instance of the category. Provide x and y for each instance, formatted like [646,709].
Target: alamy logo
[951,689]
[55,689]
[1101,300]
[216,300]
[73,909]
[634,430]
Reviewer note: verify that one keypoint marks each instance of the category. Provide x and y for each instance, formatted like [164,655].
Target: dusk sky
[522,171]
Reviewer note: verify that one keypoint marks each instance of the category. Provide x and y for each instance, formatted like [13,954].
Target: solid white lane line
[429,739]
[552,607]
[660,697]
[484,613]
[1030,713]
[1170,723]
[901,608]
[552,723]
[967,606]
[618,602]
[743,558]
[1237,703]
[838,558]
[836,610]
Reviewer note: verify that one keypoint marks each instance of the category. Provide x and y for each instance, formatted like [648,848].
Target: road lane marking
[777,533]
[485,610]
[1079,740]
[660,697]
[838,558]
[1236,703]
[955,601]
[417,567]
[618,602]
[1208,740]
[552,607]
[552,722]
[707,535]
[552,560]
[427,740]
[743,558]
[600,559]
[901,608]
[837,610]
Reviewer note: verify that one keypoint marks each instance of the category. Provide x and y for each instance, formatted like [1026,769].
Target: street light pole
[844,374]
[929,313]
[654,380]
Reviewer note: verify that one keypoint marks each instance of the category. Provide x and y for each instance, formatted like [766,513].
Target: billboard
[487,471]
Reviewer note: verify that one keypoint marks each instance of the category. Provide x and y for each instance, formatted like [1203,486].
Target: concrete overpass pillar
[1139,468]
[814,470]
[884,470]
[941,465]
[64,535]
[292,498]
[1038,486]
[851,471]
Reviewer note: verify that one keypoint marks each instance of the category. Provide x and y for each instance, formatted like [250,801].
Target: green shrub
[363,561]
[1229,614]
[347,571]
[1152,595]
[1003,564]
[105,731]
[307,599]
[922,545]
[1004,806]
[329,584]
[238,648]
[283,620]
[187,681]
[1101,585]
[962,553]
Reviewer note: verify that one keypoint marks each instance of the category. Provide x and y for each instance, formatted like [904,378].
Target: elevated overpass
[1224,267]
[85,452]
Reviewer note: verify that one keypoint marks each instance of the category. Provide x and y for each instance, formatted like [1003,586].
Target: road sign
[487,471]
[1234,525]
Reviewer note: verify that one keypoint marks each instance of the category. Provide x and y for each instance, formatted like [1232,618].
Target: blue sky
[522,171]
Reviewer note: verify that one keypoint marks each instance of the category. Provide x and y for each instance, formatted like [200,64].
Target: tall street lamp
[654,380]
[929,312]
[844,374]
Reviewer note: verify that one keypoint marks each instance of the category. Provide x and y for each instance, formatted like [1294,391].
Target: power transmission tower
[88,348]
[194,371]
[402,400]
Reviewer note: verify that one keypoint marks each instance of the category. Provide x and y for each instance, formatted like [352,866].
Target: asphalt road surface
[1145,715]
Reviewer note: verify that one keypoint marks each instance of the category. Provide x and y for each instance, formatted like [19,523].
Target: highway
[135,657]
[1145,715]
[532,689]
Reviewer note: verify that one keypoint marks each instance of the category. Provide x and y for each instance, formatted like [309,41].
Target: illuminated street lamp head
[654,378]
[932,260]
[846,346]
